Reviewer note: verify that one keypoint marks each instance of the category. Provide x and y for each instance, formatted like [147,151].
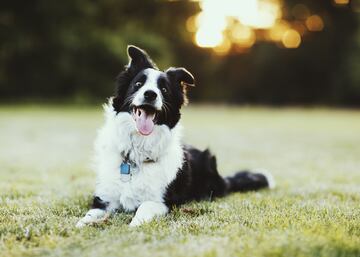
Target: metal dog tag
[125,172]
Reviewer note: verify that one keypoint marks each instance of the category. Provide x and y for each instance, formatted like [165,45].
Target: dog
[141,163]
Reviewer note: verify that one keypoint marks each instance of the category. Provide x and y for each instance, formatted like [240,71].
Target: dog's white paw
[147,211]
[135,222]
[92,216]
[80,224]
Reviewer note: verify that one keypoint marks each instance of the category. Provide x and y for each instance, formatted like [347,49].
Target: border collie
[140,160]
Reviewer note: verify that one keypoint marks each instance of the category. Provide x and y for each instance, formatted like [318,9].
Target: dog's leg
[147,211]
[91,217]
[100,211]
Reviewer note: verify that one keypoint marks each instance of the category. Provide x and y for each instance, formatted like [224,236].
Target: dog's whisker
[127,101]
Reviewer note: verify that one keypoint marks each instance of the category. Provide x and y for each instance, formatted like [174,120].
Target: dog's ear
[182,76]
[139,59]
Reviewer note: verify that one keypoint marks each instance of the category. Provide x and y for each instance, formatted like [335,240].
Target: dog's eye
[164,90]
[138,84]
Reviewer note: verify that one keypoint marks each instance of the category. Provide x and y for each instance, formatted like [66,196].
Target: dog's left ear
[182,76]
[139,59]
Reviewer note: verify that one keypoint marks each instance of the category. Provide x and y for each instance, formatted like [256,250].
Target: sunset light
[341,1]
[291,39]
[233,24]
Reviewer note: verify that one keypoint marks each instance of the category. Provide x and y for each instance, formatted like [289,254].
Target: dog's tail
[207,181]
[244,181]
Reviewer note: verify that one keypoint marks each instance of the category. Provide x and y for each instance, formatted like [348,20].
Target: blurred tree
[323,70]
[74,49]
[59,49]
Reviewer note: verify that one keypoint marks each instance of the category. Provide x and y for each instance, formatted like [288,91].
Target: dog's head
[153,97]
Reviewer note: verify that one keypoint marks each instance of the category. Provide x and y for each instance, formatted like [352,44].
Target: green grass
[314,154]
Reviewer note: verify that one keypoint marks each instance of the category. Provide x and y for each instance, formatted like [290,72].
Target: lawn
[314,154]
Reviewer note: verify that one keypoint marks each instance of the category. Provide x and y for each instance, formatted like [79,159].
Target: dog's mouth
[145,118]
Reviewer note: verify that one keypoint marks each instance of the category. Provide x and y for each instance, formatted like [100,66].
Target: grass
[314,154]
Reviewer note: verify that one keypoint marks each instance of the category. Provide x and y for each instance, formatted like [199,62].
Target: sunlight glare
[314,23]
[234,26]
[214,18]
[223,48]
[291,39]
[206,37]
[278,30]
[243,36]
[342,1]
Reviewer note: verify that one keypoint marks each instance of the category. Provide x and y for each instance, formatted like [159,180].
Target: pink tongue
[144,122]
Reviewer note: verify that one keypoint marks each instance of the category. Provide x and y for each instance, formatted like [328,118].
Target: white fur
[148,211]
[152,77]
[150,180]
[92,216]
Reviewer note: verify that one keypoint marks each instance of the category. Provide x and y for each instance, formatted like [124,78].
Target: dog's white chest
[149,180]
[147,183]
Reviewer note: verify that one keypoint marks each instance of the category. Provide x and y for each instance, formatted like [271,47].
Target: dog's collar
[127,167]
[126,158]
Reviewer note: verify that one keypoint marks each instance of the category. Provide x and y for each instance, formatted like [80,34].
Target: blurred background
[267,52]
[258,65]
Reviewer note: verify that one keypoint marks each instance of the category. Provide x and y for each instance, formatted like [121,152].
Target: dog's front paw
[135,222]
[81,223]
[92,216]
[147,211]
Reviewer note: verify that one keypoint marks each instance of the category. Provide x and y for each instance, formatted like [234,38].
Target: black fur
[246,181]
[175,80]
[139,62]
[99,204]
[199,179]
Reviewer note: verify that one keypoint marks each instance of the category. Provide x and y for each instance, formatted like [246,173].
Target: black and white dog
[140,160]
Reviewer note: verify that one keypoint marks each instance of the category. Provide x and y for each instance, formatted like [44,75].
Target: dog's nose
[150,95]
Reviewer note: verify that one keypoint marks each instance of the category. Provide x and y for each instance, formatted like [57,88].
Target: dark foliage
[54,50]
